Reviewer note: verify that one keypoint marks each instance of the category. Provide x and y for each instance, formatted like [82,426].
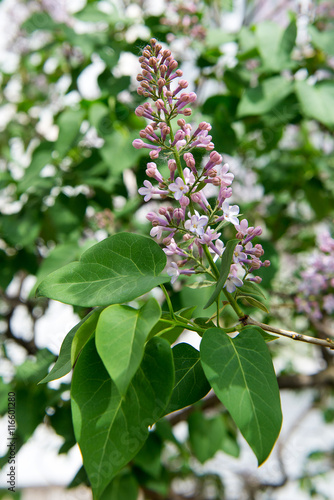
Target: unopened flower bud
[183,84]
[140,110]
[172,165]
[257,279]
[163,69]
[138,144]
[154,154]
[196,198]
[184,201]
[146,85]
[204,126]
[215,157]
[256,263]
[151,216]
[186,112]
[160,104]
[178,214]
[150,172]
[258,250]
[212,173]
[161,83]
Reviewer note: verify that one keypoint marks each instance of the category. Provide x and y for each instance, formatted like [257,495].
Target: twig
[288,333]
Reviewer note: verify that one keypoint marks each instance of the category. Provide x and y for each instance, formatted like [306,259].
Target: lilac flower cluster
[187,229]
[316,291]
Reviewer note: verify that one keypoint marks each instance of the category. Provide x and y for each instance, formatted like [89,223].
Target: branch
[288,333]
[28,345]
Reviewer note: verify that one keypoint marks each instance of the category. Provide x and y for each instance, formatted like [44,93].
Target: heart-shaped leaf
[120,339]
[116,270]
[191,384]
[85,328]
[241,373]
[317,101]
[109,428]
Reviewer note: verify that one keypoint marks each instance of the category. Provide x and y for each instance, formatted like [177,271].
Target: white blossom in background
[87,80]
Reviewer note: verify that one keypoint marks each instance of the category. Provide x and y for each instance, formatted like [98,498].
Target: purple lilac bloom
[187,228]
[316,289]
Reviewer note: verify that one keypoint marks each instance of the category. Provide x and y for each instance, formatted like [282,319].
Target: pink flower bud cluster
[316,290]
[185,229]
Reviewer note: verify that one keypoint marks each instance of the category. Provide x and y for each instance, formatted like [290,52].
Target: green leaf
[323,40]
[92,14]
[120,338]
[209,435]
[60,256]
[21,229]
[224,270]
[205,435]
[204,322]
[264,97]
[40,158]
[254,302]
[267,337]
[201,284]
[116,270]
[123,486]
[33,368]
[251,288]
[83,334]
[69,123]
[241,373]
[191,384]
[63,364]
[149,457]
[216,37]
[111,429]
[117,151]
[274,45]
[317,101]
[39,21]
